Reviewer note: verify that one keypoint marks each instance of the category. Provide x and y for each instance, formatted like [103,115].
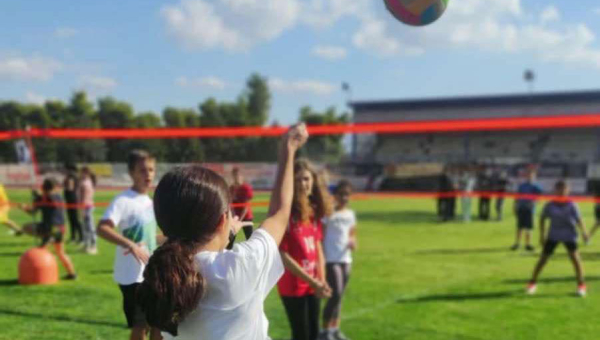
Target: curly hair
[318,203]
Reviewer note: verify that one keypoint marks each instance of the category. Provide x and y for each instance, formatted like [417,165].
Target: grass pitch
[413,278]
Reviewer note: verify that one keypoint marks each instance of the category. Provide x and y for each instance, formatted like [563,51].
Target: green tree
[324,148]
[187,149]
[80,114]
[157,147]
[114,114]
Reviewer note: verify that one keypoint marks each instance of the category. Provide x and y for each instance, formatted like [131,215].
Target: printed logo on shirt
[309,242]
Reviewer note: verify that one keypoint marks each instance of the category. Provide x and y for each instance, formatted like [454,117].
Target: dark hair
[49,184]
[136,156]
[318,204]
[343,187]
[188,203]
[560,184]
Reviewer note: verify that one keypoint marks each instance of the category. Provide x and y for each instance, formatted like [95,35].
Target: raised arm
[282,195]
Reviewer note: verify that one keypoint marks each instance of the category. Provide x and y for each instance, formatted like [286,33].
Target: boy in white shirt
[129,223]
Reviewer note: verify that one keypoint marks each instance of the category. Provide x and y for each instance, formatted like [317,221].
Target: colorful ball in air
[417,12]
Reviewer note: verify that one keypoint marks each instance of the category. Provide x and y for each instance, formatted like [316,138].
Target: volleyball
[417,12]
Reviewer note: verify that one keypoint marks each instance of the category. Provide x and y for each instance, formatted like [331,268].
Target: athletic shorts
[54,235]
[525,218]
[597,212]
[550,246]
[133,311]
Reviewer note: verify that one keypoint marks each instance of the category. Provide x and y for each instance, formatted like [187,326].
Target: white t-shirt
[132,214]
[237,284]
[337,236]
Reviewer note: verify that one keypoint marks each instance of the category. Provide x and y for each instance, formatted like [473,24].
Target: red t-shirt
[300,242]
[242,194]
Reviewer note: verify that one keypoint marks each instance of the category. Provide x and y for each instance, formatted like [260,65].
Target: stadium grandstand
[559,152]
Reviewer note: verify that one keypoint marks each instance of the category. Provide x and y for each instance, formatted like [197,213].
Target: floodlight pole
[348,91]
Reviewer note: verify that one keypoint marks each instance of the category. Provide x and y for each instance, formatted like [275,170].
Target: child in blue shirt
[564,219]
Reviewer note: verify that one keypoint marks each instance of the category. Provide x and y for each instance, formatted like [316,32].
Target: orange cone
[38,267]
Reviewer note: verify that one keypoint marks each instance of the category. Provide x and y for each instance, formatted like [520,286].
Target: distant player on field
[564,219]
[338,244]
[241,193]
[525,210]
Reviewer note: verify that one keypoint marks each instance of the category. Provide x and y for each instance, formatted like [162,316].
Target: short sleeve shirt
[237,284]
[132,214]
[300,241]
[337,228]
[528,188]
[564,218]
[242,194]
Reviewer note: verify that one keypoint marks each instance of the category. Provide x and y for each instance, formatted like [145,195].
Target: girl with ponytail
[193,287]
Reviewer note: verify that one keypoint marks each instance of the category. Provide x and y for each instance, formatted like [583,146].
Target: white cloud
[34,98]
[65,32]
[550,14]
[330,52]
[305,86]
[97,84]
[232,25]
[325,13]
[33,68]
[211,82]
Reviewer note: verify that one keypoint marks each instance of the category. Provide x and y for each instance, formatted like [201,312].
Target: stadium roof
[497,101]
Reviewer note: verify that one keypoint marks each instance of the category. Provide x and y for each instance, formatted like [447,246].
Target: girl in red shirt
[304,281]
[241,193]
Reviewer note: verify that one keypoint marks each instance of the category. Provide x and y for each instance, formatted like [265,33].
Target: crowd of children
[182,276]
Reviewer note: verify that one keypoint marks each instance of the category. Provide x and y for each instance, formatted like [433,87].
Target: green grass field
[412,278]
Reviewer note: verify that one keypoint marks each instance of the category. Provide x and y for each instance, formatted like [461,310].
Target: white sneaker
[582,290]
[531,289]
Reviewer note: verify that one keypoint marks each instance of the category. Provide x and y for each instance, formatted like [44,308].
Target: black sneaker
[529,248]
[338,335]
[71,277]
[514,247]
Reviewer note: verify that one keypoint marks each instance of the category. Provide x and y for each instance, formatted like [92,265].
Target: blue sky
[158,53]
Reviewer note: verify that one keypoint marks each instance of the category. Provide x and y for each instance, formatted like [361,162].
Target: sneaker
[71,277]
[514,247]
[91,250]
[582,290]
[325,335]
[529,247]
[531,288]
[338,335]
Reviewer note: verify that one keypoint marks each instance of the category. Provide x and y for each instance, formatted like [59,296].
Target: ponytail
[172,286]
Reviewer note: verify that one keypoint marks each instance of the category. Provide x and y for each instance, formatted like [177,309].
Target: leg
[72,223]
[335,280]
[314,307]
[518,236]
[155,334]
[546,254]
[297,313]
[89,232]
[64,258]
[578,265]
[137,333]
[30,229]
[539,267]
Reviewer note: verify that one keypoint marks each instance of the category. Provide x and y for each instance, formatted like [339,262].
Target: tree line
[251,108]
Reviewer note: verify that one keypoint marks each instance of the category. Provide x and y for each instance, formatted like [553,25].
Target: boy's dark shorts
[133,312]
[525,218]
[550,246]
[597,212]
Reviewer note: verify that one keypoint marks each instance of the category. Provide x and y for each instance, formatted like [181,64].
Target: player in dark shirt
[71,190]
[51,229]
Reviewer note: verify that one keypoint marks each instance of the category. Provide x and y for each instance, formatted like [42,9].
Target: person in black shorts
[564,219]
[52,227]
